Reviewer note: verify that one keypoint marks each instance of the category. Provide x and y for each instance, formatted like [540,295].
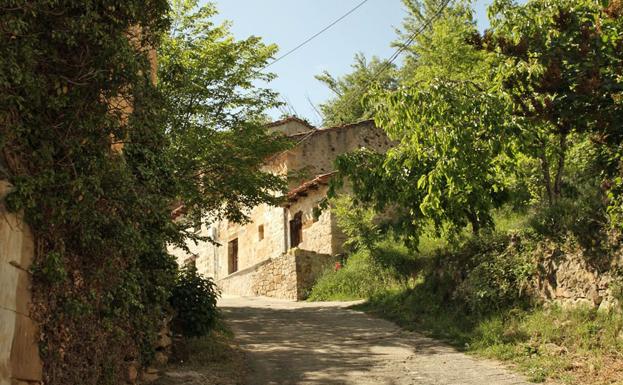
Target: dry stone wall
[19,355]
[278,278]
[565,276]
[289,276]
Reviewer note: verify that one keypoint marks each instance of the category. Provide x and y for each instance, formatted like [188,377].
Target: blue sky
[289,22]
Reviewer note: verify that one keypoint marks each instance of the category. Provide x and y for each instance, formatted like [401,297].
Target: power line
[401,49]
[392,58]
[315,35]
[409,41]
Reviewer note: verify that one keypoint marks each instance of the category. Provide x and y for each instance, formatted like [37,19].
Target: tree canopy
[215,115]
[482,118]
[349,104]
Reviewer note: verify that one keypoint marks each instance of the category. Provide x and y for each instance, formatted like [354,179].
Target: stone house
[281,251]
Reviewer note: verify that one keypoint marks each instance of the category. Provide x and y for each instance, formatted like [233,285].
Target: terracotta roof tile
[295,193]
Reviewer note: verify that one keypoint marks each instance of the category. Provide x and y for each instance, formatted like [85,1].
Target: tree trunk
[561,165]
[475,222]
[547,180]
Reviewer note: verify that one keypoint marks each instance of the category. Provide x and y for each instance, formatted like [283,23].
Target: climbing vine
[85,142]
[75,88]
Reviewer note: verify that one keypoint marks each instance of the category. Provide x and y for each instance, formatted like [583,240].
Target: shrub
[358,222]
[194,300]
[359,278]
[396,260]
[484,274]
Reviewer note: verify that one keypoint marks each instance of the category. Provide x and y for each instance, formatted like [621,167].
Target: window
[296,230]
[260,232]
[232,250]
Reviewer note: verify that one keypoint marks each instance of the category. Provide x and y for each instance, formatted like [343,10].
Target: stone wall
[289,276]
[19,356]
[566,277]
[309,267]
[317,152]
[278,278]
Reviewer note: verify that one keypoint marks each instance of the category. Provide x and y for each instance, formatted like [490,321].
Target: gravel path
[327,343]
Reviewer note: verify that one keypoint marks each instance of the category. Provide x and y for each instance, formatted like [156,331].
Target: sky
[369,30]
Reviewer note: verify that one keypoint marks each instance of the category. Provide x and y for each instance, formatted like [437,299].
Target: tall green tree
[453,140]
[561,69]
[349,103]
[215,114]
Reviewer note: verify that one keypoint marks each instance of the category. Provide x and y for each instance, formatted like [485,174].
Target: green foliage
[441,107]
[520,115]
[548,76]
[445,50]
[69,71]
[359,224]
[380,186]
[51,269]
[193,299]
[615,195]
[432,126]
[485,274]
[497,281]
[97,154]
[360,277]
[561,69]
[215,115]
[349,104]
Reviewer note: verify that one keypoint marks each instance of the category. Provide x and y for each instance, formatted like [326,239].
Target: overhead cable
[315,35]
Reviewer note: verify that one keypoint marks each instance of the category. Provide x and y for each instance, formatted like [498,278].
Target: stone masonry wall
[309,267]
[289,276]
[566,277]
[20,363]
[316,153]
[278,278]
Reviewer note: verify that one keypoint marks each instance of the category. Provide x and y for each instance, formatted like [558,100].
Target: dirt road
[327,343]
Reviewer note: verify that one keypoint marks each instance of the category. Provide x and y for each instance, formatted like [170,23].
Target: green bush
[359,278]
[584,216]
[484,274]
[396,260]
[194,301]
[497,282]
[377,260]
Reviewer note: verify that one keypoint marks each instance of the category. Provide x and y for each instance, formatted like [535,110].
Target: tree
[76,76]
[561,70]
[348,105]
[215,115]
[451,133]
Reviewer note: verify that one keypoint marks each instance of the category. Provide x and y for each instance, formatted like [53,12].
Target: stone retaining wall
[289,276]
[566,277]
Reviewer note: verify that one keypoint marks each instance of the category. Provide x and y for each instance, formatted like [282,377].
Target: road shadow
[322,344]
